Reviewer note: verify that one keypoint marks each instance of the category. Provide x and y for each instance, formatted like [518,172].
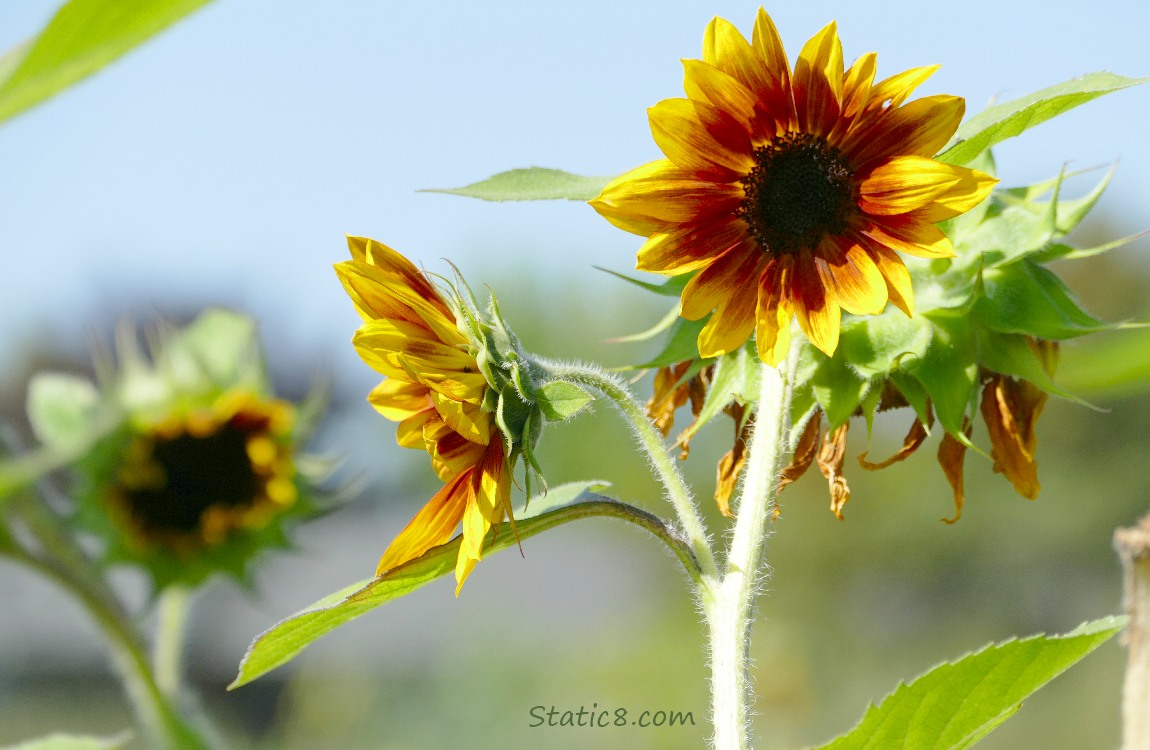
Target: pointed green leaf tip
[560,401]
[956,704]
[531,184]
[84,36]
[1009,119]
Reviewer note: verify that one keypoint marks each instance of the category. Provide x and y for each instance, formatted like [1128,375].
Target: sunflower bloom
[187,481]
[434,388]
[789,193]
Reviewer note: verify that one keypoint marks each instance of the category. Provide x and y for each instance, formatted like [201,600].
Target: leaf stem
[729,606]
[662,461]
[167,650]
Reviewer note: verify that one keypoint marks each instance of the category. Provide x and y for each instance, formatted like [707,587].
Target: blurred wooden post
[1133,547]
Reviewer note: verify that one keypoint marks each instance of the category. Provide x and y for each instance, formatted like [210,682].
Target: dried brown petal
[669,395]
[830,461]
[731,464]
[914,438]
[951,454]
[804,452]
[1011,409]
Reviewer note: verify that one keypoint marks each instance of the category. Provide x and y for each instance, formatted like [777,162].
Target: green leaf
[672,287]
[1026,298]
[1007,120]
[1059,251]
[84,36]
[949,371]
[736,376]
[531,184]
[62,409]
[956,704]
[838,389]
[1114,365]
[664,323]
[873,345]
[559,400]
[682,344]
[561,505]
[73,742]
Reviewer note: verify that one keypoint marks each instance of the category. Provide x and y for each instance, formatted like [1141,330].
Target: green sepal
[838,389]
[956,704]
[664,323]
[948,370]
[1027,298]
[563,504]
[531,184]
[873,345]
[915,394]
[1010,354]
[1002,121]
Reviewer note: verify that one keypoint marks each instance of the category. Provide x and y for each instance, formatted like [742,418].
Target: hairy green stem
[729,606]
[661,459]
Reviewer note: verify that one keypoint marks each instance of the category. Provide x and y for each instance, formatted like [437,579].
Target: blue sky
[223,161]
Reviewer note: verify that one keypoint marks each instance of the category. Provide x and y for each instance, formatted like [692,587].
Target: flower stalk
[1133,547]
[730,605]
[156,712]
[661,459]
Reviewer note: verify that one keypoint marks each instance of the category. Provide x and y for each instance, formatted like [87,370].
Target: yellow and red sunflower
[789,192]
[434,388]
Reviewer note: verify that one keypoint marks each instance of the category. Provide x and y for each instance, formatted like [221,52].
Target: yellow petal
[717,282]
[660,193]
[898,284]
[382,256]
[732,322]
[818,82]
[972,188]
[772,318]
[909,236]
[434,525]
[701,139]
[818,315]
[919,128]
[466,418]
[409,434]
[706,83]
[898,87]
[902,184]
[853,278]
[398,399]
[856,87]
[728,50]
[777,100]
[685,247]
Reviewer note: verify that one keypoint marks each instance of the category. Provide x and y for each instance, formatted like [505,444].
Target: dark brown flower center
[189,474]
[798,193]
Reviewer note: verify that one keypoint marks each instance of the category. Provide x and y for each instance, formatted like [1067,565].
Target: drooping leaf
[561,505]
[1002,121]
[874,344]
[838,389]
[531,184]
[1027,298]
[956,704]
[84,36]
[949,371]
